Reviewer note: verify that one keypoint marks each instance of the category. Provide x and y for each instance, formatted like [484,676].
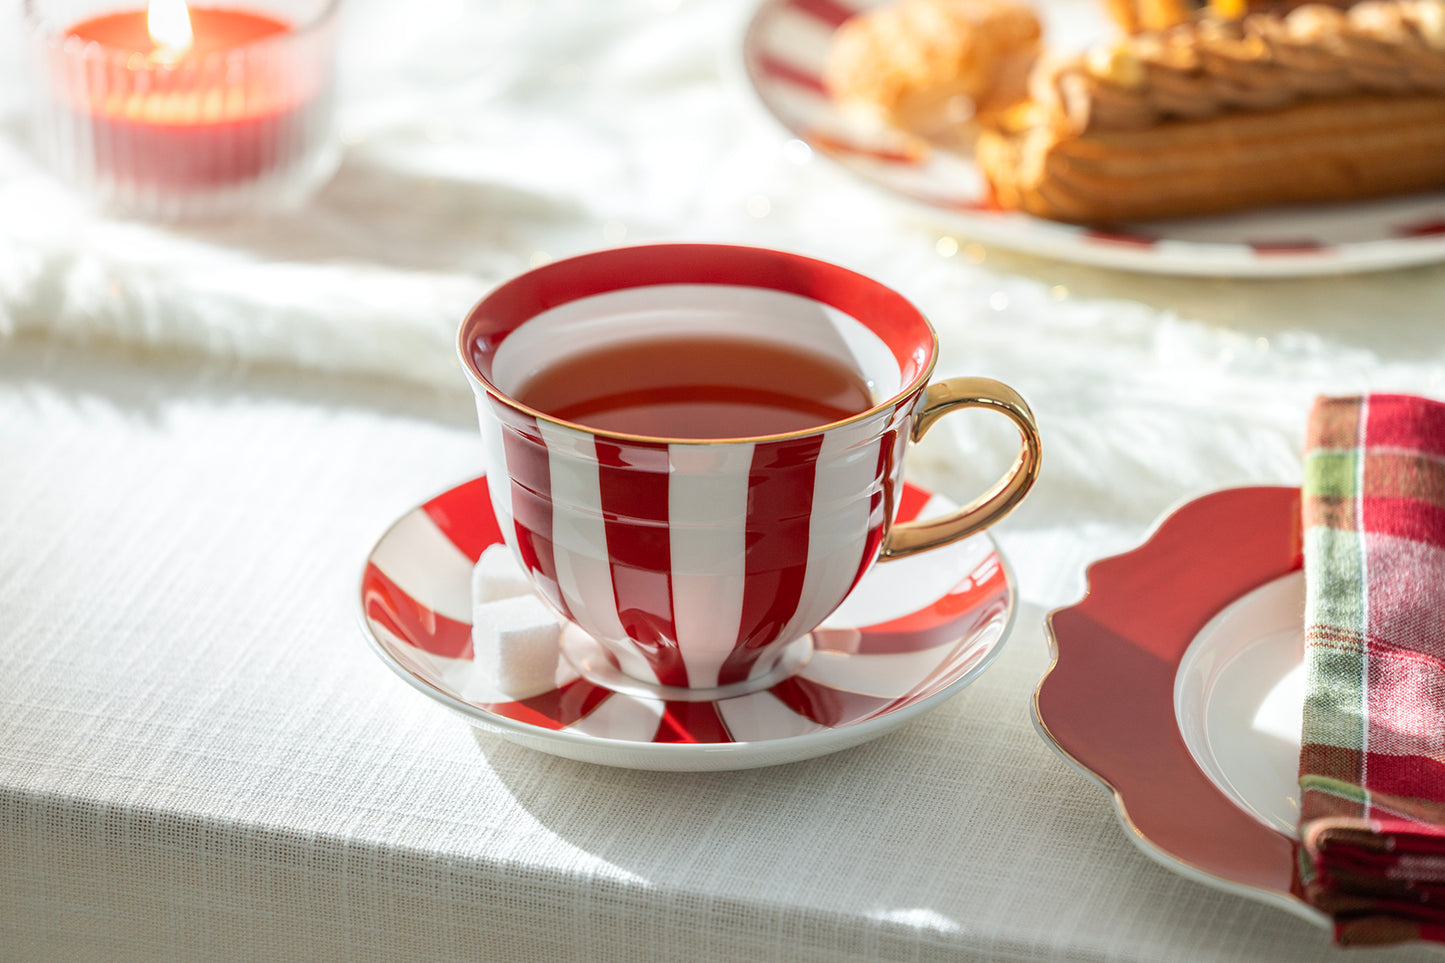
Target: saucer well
[914,632]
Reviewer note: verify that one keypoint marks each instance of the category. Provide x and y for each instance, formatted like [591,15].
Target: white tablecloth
[203,429]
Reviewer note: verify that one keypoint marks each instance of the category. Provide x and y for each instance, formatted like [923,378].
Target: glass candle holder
[227,109]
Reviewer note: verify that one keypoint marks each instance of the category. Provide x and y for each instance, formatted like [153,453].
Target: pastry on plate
[1136,15]
[929,66]
[1317,104]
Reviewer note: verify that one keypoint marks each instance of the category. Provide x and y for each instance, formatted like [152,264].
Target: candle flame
[169,22]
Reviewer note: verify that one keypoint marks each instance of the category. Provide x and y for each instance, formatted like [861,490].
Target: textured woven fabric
[203,761]
[1372,764]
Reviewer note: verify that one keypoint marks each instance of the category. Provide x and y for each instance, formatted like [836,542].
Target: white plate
[1239,698]
[784,49]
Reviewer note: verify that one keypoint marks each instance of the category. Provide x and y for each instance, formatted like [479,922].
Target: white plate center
[1238,698]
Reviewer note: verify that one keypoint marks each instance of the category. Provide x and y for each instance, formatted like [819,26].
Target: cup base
[593,663]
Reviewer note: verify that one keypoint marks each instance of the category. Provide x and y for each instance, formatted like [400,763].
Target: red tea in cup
[697,387]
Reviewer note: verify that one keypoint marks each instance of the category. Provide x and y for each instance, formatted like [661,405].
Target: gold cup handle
[909,538]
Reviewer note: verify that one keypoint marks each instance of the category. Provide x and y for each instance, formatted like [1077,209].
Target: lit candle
[176,110]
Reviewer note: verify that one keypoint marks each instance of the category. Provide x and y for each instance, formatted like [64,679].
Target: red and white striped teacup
[705,562]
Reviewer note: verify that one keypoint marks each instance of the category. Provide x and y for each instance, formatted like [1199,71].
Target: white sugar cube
[498,576]
[515,646]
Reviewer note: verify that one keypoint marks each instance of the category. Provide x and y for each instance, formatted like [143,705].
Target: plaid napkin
[1372,763]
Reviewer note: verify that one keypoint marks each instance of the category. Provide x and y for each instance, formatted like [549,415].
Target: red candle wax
[211,30]
[224,110]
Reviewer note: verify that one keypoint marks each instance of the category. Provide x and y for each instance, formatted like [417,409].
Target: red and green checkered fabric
[1372,759]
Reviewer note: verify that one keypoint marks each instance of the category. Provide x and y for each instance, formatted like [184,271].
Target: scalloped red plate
[1108,701]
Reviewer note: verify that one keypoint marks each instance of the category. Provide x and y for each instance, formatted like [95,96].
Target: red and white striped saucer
[914,632]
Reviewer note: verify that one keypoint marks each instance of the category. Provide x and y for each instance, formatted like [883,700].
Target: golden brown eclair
[1318,105]
[1334,150]
[1137,15]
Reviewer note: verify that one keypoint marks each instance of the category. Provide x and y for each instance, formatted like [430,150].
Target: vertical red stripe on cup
[531,492]
[632,480]
[885,497]
[780,509]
